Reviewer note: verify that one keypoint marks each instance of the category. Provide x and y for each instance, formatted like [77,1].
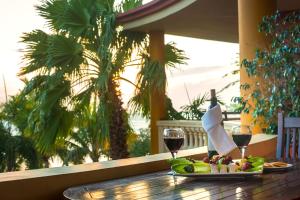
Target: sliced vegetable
[180,168]
[201,167]
[179,161]
[255,159]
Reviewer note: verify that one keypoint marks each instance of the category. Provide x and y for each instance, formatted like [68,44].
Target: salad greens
[257,164]
[197,167]
[184,166]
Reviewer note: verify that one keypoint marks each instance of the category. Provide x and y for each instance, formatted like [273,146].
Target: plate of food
[276,166]
[217,167]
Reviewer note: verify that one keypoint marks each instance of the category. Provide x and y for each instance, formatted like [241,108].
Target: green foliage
[194,110]
[172,113]
[15,148]
[74,65]
[152,76]
[174,56]
[79,63]
[129,4]
[85,140]
[18,145]
[276,69]
[235,105]
[141,145]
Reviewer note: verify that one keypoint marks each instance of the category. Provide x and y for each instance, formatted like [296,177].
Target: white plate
[219,175]
[274,169]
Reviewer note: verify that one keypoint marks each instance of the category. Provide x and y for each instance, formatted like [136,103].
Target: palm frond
[152,76]
[35,53]
[174,56]
[53,11]
[233,83]
[64,53]
[234,72]
[127,44]
[140,103]
[35,83]
[173,114]
[46,128]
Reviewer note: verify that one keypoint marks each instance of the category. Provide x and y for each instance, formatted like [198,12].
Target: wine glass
[241,136]
[173,138]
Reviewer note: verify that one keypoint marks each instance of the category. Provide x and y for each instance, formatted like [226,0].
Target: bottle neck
[213,102]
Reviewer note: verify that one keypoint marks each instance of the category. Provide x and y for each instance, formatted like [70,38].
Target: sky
[209,60]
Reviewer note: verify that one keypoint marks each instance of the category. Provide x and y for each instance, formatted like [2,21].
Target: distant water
[138,123]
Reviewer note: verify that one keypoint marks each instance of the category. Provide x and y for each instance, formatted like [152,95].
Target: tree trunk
[118,124]
[45,161]
[11,154]
[95,155]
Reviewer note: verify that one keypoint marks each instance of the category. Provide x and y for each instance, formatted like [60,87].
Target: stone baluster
[194,134]
[196,138]
[161,143]
[191,141]
[185,143]
[201,141]
[205,140]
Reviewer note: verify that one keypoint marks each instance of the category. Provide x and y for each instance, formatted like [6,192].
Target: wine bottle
[213,102]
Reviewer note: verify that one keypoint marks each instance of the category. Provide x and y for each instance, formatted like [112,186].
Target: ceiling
[205,19]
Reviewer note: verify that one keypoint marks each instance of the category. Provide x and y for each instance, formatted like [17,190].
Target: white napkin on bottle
[211,122]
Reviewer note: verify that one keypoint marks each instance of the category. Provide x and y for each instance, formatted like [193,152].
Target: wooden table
[279,185]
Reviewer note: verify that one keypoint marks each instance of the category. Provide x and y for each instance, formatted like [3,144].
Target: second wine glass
[173,138]
[241,136]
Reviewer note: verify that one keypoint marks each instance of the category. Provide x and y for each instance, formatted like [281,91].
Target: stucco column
[157,98]
[250,14]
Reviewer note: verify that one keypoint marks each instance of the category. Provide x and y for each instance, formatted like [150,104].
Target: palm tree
[79,61]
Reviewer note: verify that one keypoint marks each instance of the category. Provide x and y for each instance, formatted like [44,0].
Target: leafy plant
[15,147]
[141,145]
[195,111]
[276,70]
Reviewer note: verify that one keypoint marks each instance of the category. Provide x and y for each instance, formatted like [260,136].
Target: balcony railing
[50,183]
[194,134]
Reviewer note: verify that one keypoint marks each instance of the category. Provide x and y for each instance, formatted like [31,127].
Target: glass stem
[243,151]
[174,155]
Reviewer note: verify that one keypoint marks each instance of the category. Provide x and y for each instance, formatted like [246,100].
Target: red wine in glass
[242,140]
[173,144]
[173,139]
[241,135]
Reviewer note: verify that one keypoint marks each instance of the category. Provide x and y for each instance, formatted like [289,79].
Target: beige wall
[250,15]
